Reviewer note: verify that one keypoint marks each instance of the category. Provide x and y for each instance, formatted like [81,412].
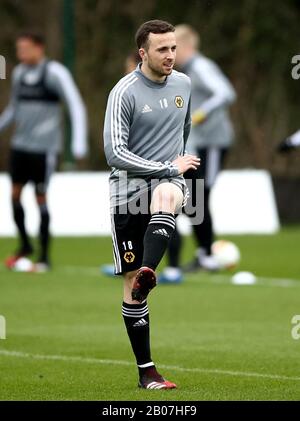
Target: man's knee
[166,197]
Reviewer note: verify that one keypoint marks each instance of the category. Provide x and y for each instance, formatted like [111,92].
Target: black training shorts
[27,167]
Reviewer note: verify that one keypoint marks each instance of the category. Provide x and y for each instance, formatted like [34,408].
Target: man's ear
[142,53]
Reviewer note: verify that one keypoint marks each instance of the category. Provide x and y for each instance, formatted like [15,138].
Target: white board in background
[78,203]
[243,202]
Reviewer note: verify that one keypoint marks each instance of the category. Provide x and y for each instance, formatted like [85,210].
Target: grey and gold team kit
[146,127]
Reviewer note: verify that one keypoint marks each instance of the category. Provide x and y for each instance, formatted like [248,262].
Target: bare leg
[129,279]
[167,197]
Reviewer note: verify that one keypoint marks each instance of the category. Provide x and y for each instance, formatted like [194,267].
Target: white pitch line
[67,358]
[88,360]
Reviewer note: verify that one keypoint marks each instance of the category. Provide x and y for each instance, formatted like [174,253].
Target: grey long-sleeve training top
[145,129]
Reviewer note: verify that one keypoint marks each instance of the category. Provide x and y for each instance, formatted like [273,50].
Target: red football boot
[10,261]
[153,380]
[145,280]
[23,252]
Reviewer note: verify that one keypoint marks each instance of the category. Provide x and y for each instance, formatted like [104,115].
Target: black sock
[157,237]
[174,249]
[19,218]
[204,232]
[136,318]
[44,233]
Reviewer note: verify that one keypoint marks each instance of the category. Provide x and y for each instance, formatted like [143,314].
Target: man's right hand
[186,162]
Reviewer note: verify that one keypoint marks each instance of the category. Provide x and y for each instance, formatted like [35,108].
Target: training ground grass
[217,341]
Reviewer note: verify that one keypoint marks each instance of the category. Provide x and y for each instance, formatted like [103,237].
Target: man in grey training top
[147,123]
[38,87]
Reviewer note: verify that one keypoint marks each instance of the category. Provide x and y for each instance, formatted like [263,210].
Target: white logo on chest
[146,109]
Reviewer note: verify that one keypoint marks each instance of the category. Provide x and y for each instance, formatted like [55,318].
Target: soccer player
[38,87]
[146,125]
[290,143]
[211,136]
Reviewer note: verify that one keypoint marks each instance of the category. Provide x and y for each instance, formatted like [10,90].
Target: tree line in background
[253,41]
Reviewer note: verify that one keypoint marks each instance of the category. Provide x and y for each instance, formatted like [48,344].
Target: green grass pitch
[217,341]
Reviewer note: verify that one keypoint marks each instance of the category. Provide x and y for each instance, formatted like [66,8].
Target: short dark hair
[34,36]
[152,26]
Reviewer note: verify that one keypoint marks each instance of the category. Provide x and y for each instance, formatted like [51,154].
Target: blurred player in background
[290,143]
[211,136]
[147,123]
[38,88]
